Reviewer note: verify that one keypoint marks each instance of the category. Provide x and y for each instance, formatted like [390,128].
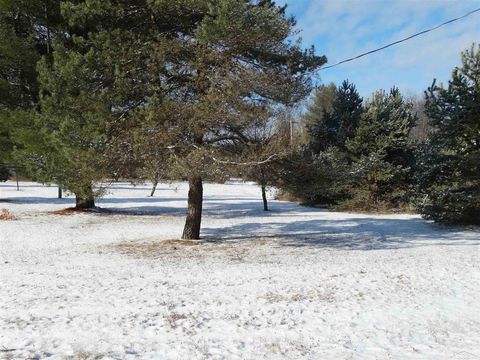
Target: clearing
[295,282]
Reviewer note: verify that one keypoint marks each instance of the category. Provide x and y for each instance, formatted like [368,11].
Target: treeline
[389,153]
[202,91]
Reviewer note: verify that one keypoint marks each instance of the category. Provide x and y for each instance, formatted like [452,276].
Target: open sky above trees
[345,28]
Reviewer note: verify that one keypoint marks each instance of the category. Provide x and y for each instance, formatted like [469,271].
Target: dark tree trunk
[191,231]
[85,200]
[155,183]
[60,195]
[264,197]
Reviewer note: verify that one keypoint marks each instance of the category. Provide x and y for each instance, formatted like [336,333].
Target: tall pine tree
[237,61]
[210,66]
[318,172]
[449,166]
[381,170]
[93,78]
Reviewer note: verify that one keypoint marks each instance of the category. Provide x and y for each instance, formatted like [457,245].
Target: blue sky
[341,29]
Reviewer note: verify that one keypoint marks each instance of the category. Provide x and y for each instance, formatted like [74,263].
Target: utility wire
[401,40]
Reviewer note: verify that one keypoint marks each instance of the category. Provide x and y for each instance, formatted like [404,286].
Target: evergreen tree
[315,179]
[92,79]
[197,72]
[382,154]
[25,36]
[333,124]
[317,173]
[321,106]
[449,165]
[229,66]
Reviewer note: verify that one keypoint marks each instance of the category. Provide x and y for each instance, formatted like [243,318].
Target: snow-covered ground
[293,283]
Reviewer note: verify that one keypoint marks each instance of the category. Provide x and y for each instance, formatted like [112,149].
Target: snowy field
[293,283]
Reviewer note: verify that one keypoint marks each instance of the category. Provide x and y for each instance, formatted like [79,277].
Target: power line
[401,40]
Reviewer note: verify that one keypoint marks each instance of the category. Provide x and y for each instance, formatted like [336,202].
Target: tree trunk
[85,199]
[60,195]
[264,197]
[155,183]
[191,231]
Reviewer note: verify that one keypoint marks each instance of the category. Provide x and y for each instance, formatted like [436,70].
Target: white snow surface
[291,283]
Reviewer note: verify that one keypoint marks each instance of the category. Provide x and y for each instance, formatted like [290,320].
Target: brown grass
[75,211]
[374,209]
[84,355]
[152,249]
[182,242]
[313,295]
[6,215]
[155,249]
[285,196]
[172,319]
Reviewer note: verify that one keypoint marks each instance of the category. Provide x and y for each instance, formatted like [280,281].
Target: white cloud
[344,28]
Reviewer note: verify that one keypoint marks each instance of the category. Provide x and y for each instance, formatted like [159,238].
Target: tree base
[83,204]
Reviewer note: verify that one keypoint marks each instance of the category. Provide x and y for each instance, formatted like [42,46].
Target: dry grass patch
[75,211]
[150,249]
[310,296]
[6,215]
[84,355]
[172,319]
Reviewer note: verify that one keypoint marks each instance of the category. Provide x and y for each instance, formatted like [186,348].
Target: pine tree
[333,124]
[317,173]
[118,66]
[92,79]
[382,154]
[25,28]
[234,61]
[320,107]
[449,166]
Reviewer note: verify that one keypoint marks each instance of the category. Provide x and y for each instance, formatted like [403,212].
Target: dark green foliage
[449,164]
[332,123]
[315,179]
[358,158]
[6,143]
[165,85]
[318,172]
[94,77]
[26,31]
[381,171]
[4,173]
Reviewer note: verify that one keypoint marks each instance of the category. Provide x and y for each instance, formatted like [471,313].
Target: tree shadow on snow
[349,233]
[288,223]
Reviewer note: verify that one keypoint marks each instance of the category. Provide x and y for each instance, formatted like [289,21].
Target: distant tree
[381,171]
[422,128]
[449,165]
[332,123]
[154,160]
[267,140]
[317,173]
